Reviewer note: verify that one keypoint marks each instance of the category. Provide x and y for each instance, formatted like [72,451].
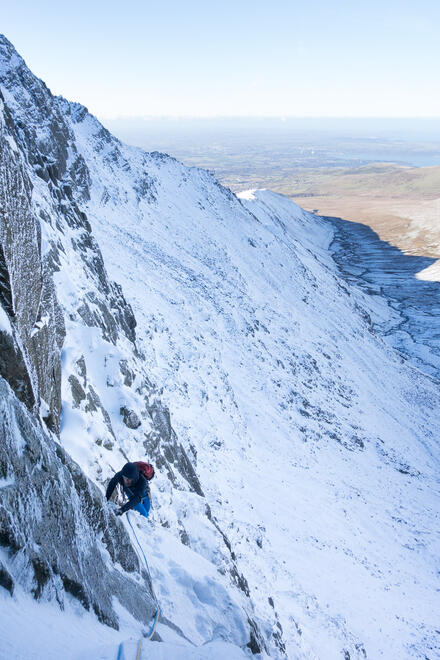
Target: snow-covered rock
[61,313]
[295,503]
[57,538]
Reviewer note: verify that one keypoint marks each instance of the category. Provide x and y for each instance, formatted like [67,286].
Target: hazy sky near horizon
[242,58]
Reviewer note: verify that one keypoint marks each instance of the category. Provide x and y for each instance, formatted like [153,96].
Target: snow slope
[41,631]
[56,293]
[316,443]
[299,498]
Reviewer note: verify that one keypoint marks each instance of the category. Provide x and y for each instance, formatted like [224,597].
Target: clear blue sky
[191,58]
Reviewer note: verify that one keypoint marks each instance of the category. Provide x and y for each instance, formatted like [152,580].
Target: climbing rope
[157,614]
[121,655]
[150,634]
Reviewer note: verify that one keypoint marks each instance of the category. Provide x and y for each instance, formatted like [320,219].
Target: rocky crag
[47,252]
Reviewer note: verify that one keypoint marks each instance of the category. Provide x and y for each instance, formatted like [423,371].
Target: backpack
[146,469]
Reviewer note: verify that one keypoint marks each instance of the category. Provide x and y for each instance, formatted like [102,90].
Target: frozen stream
[381,269]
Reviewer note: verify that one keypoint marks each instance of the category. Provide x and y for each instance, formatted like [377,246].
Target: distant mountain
[147,311]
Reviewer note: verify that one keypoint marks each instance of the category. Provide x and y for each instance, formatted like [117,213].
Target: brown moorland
[401,204]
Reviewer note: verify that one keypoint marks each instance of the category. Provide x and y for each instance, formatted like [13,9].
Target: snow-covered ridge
[270,365]
[295,504]
[111,411]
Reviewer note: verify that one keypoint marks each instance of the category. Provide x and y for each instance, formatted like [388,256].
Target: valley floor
[384,271]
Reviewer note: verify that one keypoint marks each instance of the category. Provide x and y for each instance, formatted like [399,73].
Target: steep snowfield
[316,443]
[40,631]
[82,352]
[313,518]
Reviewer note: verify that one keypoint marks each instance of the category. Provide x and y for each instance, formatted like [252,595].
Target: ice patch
[5,324]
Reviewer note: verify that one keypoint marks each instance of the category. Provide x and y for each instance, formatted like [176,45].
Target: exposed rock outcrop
[55,528]
[28,293]
[131,420]
[69,359]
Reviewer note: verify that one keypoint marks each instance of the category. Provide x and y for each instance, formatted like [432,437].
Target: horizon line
[281,118]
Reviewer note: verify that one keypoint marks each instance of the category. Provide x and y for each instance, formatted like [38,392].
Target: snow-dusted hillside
[295,512]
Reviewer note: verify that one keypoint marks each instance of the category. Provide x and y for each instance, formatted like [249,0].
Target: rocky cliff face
[31,355]
[53,521]
[68,334]
[56,535]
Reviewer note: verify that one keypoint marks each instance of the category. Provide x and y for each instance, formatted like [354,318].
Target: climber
[133,478]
